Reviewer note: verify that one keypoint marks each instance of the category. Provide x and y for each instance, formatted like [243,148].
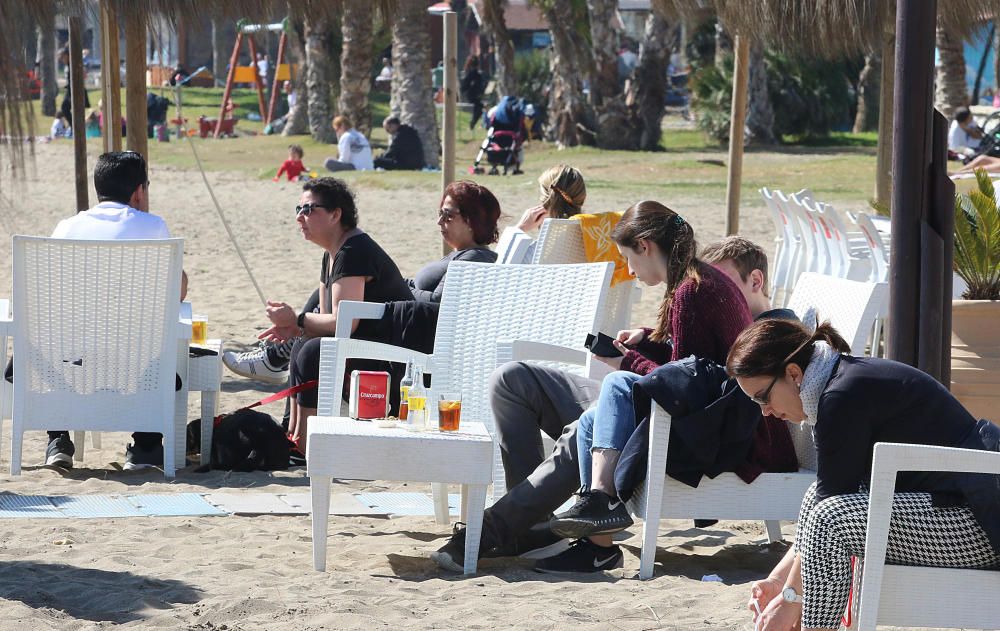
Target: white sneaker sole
[550,550]
[273,378]
[64,461]
[445,562]
[133,466]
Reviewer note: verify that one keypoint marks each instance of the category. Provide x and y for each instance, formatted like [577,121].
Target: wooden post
[883,161]
[737,120]
[256,77]
[450,103]
[135,82]
[77,89]
[228,91]
[111,89]
[274,84]
[914,76]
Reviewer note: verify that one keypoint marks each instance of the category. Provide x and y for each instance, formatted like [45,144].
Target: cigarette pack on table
[369,394]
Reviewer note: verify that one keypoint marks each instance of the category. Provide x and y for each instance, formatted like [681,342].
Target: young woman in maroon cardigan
[702,313]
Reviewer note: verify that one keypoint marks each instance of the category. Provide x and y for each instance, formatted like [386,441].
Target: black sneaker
[583,556]
[595,513]
[137,458]
[537,543]
[60,452]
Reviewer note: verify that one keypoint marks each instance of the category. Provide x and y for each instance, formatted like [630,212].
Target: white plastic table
[341,447]
[204,376]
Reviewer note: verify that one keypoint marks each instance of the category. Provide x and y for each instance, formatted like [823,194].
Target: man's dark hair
[117,175]
[333,193]
[391,120]
[962,114]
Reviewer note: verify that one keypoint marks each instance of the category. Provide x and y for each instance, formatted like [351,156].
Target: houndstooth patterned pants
[831,531]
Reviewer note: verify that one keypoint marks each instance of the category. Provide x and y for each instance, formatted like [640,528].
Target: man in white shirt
[122,185]
[355,152]
[964,135]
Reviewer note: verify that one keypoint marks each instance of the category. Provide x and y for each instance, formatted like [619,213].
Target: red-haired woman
[468,218]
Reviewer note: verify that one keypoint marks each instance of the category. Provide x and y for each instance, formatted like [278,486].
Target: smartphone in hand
[602,345]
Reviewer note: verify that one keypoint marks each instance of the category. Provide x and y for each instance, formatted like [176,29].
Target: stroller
[502,145]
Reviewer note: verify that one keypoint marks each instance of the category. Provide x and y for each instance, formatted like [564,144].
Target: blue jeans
[608,424]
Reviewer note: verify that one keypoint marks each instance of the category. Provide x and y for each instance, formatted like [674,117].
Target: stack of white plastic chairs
[813,236]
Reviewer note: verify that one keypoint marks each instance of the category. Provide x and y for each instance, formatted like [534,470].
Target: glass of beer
[199,329]
[449,411]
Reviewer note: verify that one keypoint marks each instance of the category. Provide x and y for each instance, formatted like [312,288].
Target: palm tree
[868,94]
[413,100]
[355,64]
[319,74]
[503,49]
[650,83]
[615,130]
[569,114]
[47,62]
[760,113]
[951,91]
[298,114]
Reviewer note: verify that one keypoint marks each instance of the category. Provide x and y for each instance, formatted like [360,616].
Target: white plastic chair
[908,596]
[97,338]
[482,304]
[878,247]
[808,258]
[788,248]
[560,242]
[772,497]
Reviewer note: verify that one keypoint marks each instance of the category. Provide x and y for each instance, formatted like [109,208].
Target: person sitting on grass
[938,519]
[405,152]
[292,167]
[355,154]
[701,314]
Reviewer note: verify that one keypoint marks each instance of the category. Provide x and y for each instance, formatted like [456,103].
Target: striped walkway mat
[103,506]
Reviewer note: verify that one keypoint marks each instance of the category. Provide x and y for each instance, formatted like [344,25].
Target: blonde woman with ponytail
[852,403]
[562,194]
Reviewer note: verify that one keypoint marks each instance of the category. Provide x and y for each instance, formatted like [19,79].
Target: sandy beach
[243,573]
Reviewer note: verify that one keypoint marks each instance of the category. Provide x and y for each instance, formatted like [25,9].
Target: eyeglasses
[447,214]
[765,397]
[306,209]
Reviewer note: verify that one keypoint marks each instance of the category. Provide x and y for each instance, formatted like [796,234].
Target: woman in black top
[354,267]
[472,87]
[468,221]
[938,519]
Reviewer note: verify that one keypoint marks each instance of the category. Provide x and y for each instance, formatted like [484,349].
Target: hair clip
[562,193]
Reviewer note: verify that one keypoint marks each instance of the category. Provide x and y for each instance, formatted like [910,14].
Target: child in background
[293,165]
[60,127]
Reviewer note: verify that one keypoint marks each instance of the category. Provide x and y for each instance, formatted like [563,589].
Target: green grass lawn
[839,167]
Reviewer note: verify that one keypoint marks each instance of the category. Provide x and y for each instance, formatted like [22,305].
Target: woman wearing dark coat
[852,403]
[473,85]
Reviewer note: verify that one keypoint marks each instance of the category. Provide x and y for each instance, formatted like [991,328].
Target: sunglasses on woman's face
[306,209]
[447,214]
[764,397]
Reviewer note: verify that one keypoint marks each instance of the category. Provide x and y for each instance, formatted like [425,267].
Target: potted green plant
[975,340]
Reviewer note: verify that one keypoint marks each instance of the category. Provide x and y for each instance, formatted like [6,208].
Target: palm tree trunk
[951,92]
[298,115]
[868,94]
[760,113]
[503,49]
[650,80]
[319,74]
[47,62]
[355,64]
[567,107]
[614,129]
[220,55]
[411,58]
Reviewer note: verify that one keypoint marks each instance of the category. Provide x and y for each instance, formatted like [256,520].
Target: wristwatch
[790,595]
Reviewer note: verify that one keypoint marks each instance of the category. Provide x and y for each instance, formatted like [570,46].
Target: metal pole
[911,148]
[77,88]
[741,75]
[256,77]
[274,84]
[229,83]
[135,82]
[450,103]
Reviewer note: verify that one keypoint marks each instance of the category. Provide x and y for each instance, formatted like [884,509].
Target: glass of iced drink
[449,411]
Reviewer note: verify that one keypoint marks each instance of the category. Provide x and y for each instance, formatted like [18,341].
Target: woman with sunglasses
[354,267]
[851,403]
[468,222]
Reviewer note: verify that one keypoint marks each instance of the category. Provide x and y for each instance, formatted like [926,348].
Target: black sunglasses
[764,397]
[306,209]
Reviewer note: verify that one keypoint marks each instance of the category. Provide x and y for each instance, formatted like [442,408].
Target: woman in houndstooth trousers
[938,519]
